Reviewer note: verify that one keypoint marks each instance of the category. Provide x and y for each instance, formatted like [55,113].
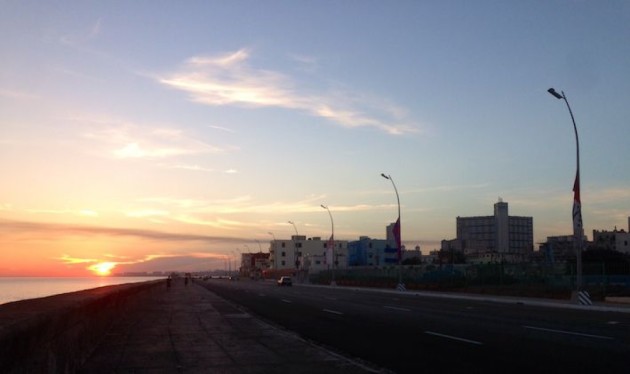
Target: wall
[56,334]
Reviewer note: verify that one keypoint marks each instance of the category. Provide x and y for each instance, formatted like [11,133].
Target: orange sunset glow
[103,268]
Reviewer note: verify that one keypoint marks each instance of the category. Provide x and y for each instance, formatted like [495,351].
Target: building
[511,238]
[253,264]
[367,252]
[311,255]
[374,252]
[559,248]
[616,240]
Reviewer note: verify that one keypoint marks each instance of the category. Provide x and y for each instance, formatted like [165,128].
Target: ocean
[22,288]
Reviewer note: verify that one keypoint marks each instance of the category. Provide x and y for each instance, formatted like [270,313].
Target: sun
[103,268]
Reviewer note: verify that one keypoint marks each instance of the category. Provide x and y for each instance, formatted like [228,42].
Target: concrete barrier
[56,334]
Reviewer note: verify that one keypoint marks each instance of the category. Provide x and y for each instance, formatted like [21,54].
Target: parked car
[285,281]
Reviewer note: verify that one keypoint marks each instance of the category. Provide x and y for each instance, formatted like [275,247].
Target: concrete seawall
[56,334]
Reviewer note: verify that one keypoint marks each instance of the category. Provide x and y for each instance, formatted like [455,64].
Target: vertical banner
[578,232]
[396,232]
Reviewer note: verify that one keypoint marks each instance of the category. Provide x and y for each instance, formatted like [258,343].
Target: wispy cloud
[222,128]
[11,226]
[128,140]
[230,80]
[172,261]
[92,33]
[70,260]
[308,64]
[13,94]
[81,212]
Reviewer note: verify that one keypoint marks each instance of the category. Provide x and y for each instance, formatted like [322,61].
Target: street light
[272,250]
[397,235]
[241,260]
[332,243]
[578,227]
[295,251]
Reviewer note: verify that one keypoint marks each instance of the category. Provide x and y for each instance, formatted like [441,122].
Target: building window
[282,262]
[284,254]
[283,244]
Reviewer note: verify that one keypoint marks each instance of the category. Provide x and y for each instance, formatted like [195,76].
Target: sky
[170,135]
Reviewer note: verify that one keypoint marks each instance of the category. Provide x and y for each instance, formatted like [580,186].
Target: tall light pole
[332,243]
[241,260]
[272,250]
[295,251]
[397,234]
[578,227]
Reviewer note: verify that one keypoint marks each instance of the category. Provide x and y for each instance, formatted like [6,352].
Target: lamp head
[554,93]
[324,206]
[384,176]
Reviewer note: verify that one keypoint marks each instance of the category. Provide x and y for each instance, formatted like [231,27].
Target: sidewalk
[188,329]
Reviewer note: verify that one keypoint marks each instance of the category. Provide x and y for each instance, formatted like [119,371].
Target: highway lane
[407,333]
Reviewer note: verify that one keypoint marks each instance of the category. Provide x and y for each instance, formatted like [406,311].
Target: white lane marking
[613,322]
[332,311]
[237,315]
[453,337]
[397,308]
[286,301]
[568,332]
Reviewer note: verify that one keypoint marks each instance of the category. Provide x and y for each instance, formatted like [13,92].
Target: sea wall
[56,334]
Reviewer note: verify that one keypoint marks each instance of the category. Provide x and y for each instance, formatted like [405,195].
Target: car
[285,281]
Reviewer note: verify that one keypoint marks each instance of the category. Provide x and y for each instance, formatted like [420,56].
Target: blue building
[371,252]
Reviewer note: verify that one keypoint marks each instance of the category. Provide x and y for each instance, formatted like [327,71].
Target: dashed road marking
[453,338]
[332,311]
[568,332]
[397,308]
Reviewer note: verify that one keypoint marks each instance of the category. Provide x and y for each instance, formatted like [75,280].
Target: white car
[285,281]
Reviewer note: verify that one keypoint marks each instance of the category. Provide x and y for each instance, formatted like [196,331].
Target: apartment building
[510,237]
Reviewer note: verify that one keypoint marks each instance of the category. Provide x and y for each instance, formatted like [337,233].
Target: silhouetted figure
[168,282]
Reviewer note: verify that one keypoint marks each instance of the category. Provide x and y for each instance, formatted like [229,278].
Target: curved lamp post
[295,251]
[578,227]
[272,249]
[397,235]
[332,243]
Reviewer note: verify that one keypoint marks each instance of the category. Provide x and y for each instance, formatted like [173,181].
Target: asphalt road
[406,333]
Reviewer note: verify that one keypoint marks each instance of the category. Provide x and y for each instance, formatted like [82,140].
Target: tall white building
[500,233]
[310,254]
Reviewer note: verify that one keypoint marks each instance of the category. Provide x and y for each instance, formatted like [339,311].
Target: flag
[396,232]
[329,250]
[578,232]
